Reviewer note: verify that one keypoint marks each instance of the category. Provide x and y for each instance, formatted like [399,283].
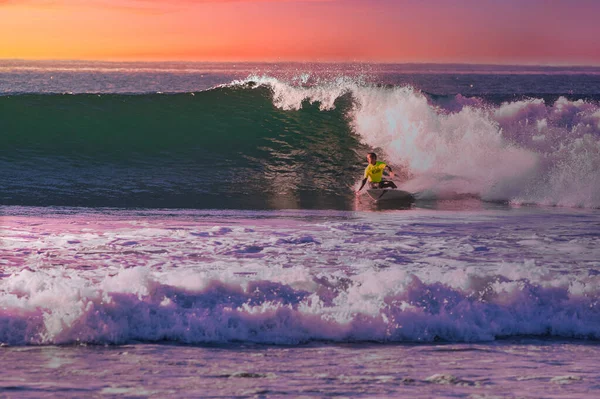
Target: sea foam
[524,151]
[290,306]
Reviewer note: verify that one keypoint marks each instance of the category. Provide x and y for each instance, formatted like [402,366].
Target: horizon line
[459,63]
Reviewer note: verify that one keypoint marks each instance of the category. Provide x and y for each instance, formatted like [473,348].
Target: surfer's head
[372,158]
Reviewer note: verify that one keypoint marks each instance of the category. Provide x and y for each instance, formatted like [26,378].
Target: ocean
[192,230]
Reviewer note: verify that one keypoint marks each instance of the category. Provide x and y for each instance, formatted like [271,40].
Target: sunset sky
[465,31]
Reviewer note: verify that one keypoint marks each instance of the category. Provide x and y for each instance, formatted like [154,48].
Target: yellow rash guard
[375,172]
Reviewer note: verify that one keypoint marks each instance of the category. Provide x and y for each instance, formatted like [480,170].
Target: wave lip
[272,307]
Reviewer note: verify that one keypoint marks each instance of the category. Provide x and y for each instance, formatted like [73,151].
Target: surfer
[374,174]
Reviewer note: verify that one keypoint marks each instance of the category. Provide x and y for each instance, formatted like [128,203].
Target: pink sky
[471,31]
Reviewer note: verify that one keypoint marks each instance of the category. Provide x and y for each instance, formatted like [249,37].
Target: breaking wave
[291,306]
[295,143]
[525,151]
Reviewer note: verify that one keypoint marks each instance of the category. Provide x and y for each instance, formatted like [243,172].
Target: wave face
[264,142]
[222,148]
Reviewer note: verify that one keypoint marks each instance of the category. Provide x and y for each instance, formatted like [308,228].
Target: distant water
[190,230]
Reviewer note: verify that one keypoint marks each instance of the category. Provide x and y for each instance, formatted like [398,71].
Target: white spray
[522,152]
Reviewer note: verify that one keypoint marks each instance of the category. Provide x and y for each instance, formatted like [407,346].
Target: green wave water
[226,147]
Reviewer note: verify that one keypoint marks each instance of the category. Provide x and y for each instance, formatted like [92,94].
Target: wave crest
[523,151]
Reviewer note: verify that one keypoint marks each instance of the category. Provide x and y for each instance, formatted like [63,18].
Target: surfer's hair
[372,155]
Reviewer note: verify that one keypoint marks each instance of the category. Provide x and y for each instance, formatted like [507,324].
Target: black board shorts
[376,185]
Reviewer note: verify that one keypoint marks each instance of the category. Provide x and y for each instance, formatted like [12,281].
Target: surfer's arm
[389,170]
[364,181]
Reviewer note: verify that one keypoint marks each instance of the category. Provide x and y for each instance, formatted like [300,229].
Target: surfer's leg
[388,184]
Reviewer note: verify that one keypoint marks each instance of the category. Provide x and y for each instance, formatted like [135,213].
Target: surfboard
[381,194]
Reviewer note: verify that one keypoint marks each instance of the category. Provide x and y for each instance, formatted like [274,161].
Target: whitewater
[523,151]
[191,230]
